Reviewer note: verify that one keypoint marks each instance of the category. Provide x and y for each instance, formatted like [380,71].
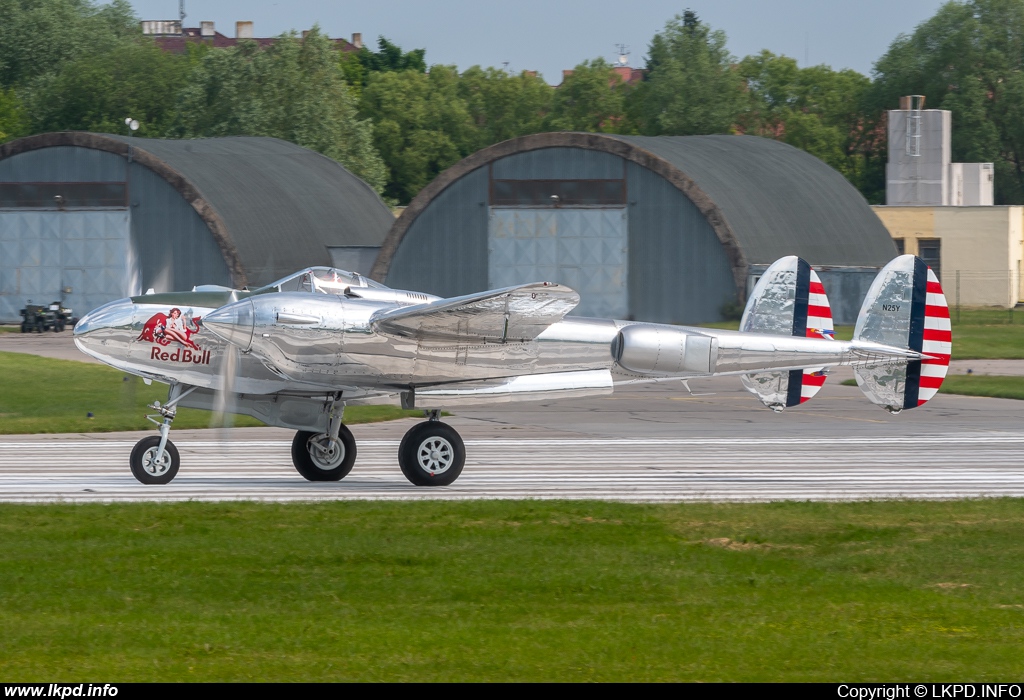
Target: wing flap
[513,314]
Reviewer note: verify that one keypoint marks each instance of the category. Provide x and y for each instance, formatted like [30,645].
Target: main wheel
[146,468]
[318,458]
[432,454]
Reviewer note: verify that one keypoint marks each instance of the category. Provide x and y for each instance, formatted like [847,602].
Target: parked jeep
[54,316]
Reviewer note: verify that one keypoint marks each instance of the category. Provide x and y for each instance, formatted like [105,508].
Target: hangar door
[42,252]
[584,248]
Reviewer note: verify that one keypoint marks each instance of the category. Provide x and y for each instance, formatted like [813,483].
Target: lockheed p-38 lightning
[294,353]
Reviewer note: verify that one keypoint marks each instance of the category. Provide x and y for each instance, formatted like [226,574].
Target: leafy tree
[690,86]
[816,109]
[503,106]
[38,36]
[968,58]
[591,98]
[292,90]
[422,125]
[96,92]
[388,58]
[13,122]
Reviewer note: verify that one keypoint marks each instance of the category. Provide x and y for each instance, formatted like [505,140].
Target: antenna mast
[623,59]
[181,12]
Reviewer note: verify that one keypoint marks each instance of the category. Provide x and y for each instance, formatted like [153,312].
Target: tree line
[397,122]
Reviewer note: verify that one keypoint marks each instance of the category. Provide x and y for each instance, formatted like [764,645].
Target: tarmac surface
[643,443]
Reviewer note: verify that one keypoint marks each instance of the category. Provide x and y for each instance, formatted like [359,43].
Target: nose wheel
[432,454]
[150,465]
[154,459]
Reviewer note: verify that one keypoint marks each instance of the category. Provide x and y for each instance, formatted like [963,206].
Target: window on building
[555,193]
[930,250]
[901,245]
[60,195]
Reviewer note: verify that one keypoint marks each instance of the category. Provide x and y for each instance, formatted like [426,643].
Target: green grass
[987,334]
[984,385]
[977,385]
[494,590]
[10,329]
[42,395]
[979,334]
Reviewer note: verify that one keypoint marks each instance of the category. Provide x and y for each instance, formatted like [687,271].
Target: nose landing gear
[147,467]
[154,459]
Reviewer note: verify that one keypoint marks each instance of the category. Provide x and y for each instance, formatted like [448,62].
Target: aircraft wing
[497,316]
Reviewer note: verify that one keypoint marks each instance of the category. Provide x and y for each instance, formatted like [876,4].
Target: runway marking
[657,469]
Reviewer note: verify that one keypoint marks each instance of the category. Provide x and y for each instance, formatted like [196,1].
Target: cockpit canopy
[320,280]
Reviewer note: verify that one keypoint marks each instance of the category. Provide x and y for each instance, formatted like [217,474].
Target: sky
[551,35]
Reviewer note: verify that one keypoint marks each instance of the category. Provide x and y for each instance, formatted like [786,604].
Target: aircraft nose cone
[113,315]
[106,332]
[234,323]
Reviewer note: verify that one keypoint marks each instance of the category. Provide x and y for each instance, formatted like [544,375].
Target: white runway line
[684,469]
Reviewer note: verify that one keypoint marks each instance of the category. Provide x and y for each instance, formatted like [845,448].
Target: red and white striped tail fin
[936,341]
[905,308]
[789,299]
[819,325]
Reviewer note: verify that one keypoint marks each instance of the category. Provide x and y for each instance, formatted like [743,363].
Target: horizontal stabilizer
[513,314]
[789,299]
[905,308]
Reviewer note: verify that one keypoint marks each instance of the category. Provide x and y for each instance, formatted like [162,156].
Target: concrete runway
[644,443]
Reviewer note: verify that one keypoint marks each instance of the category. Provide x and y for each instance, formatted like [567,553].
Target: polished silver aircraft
[296,352]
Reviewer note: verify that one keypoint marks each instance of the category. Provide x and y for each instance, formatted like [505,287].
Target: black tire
[432,444]
[332,466]
[24,327]
[142,465]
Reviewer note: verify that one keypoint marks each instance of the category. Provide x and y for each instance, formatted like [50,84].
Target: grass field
[979,334]
[977,385]
[494,590]
[987,334]
[41,395]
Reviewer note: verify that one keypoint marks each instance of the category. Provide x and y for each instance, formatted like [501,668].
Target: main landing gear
[325,456]
[155,459]
[432,453]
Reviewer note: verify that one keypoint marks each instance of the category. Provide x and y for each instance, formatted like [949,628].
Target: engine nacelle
[659,350]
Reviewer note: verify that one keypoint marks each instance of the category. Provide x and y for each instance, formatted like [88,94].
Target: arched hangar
[108,216]
[669,229]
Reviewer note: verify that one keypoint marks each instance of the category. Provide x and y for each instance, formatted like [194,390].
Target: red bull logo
[200,357]
[173,327]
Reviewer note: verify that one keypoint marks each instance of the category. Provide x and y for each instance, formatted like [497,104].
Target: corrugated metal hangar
[666,229]
[109,216]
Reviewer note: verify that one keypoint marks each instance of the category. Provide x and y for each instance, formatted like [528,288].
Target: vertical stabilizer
[905,308]
[789,299]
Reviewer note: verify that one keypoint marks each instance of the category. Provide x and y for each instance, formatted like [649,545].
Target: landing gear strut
[325,456]
[432,453]
[154,458]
